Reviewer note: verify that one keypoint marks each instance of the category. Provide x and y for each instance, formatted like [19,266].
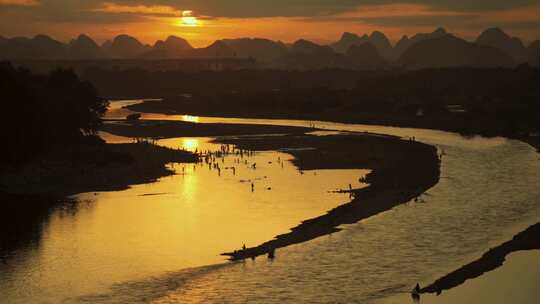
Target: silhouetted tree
[43,111]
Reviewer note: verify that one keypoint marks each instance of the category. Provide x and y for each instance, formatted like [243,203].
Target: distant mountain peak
[348,36]
[451,51]
[377,34]
[495,30]
[173,38]
[492,34]
[173,43]
[124,37]
[125,46]
[497,38]
[440,31]
[347,40]
[83,37]
[218,44]
[42,37]
[304,41]
[83,47]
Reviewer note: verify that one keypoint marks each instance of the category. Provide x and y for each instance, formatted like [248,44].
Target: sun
[188,19]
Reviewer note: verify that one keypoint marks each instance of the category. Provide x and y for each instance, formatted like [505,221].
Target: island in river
[401,169]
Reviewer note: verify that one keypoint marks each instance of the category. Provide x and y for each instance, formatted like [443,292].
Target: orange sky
[152,21]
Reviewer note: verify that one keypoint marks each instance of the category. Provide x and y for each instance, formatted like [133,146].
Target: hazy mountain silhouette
[172,47]
[365,56]
[405,42]
[309,47]
[450,51]
[533,53]
[17,48]
[534,46]
[173,43]
[218,49]
[381,42]
[377,39]
[83,47]
[302,54]
[124,46]
[497,38]
[262,49]
[39,47]
[347,40]
[307,55]
[48,47]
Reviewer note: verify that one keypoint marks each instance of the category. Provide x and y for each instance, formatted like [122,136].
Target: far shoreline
[157,106]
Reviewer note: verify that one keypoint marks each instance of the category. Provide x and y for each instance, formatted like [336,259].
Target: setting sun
[188,19]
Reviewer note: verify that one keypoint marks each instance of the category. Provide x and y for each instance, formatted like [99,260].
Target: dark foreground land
[494,258]
[31,191]
[402,170]
[88,168]
[51,150]
[168,129]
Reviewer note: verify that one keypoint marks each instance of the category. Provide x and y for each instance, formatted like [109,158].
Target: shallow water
[122,247]
[516,282]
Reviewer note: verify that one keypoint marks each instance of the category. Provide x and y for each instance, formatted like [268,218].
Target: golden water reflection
[180,221]
[190,118]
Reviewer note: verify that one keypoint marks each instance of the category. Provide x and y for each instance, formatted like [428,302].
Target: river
[159,242]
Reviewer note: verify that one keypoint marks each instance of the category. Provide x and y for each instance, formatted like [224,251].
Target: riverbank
[453,122]
[401,171]
[169,129]
[75,169]
[526,240]
[31,191]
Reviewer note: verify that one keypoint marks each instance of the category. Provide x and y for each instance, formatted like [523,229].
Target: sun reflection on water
[190,118]
[190,144]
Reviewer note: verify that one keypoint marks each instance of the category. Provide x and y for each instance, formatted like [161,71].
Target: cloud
[80,11]
[323,16]
[145,10]
[19,2]
[307,8]
[415,15]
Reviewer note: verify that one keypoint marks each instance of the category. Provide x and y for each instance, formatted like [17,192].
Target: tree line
[45,111]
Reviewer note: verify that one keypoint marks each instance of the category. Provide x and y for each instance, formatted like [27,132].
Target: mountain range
[492,48]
